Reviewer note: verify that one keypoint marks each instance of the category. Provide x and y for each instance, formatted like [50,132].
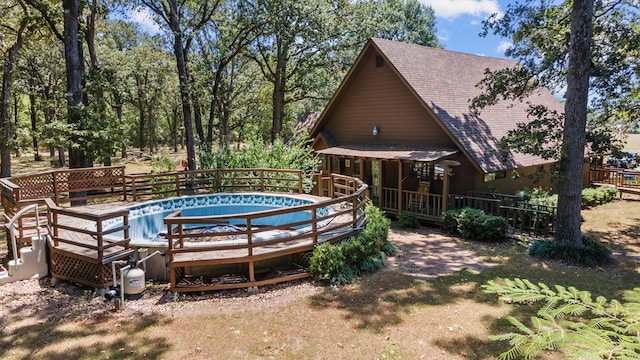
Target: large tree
[405,20]
[17,21]
[575,121]
[593,54]
[183,20]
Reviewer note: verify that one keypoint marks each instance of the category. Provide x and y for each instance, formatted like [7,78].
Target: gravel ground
[424,253]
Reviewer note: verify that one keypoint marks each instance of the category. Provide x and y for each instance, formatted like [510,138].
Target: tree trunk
[75,68]
[574,133]
[141,131]
[5,102]
[34,126]
[279,83]
[197,117]
[181,64]
[5,148]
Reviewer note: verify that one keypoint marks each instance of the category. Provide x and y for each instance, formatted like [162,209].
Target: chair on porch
[418,201]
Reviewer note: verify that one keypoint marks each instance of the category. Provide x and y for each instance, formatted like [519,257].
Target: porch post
[448,164]
[445,189]
[399,186]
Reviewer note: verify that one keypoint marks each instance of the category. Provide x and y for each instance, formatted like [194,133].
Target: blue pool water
[147,220]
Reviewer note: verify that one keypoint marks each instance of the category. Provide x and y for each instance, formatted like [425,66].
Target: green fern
[570,320]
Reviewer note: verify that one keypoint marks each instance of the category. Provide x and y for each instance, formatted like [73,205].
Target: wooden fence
[81,250]
[626,181]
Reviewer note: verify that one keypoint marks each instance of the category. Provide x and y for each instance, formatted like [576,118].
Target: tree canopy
[214,70]
[587,51]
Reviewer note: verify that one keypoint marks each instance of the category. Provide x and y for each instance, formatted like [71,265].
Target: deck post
[399,186]
[448,164]
[314,225]
[252,276]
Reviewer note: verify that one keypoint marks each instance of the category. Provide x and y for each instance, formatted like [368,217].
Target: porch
[420,182]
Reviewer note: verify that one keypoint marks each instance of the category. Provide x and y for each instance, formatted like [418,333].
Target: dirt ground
[424,253]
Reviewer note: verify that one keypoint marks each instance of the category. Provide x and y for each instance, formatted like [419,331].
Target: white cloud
[443,35]
[142,17]
[503,46]
[451,9]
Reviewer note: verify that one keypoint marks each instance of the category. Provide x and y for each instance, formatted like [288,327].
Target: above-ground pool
[146,220]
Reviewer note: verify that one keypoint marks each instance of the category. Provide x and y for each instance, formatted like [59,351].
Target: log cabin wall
[377,97]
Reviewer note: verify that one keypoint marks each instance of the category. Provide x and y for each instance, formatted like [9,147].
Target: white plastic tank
[134,281]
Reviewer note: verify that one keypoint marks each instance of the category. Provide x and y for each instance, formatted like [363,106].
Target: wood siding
[376,96]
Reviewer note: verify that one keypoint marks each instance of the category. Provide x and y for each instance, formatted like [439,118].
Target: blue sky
[459,22]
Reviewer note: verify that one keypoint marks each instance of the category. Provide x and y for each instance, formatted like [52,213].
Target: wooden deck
[626,181]
[82,250]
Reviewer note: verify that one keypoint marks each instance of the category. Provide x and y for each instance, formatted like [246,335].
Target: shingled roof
[444,82]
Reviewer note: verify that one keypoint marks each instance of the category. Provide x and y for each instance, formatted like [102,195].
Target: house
[401,122]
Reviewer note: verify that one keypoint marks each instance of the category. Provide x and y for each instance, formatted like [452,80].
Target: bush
[408,220]
[474,224]
[449,222]
[470,223]
[362,254]
[592,254]
[328,263]
[590,196]
[493,228]
[598,196]
[255,153]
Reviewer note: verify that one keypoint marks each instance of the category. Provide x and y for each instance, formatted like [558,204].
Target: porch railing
[622,179]
[523,218]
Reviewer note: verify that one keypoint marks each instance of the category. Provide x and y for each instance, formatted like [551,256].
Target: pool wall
[147,225]
[146,220]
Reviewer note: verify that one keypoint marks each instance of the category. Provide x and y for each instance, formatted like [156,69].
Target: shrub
[590,196]
[362,254]
[592,254]
[408,220]
[598,196]
[449,222]
[493,228]
[255,153]
[329,263]
[474,224]
[470,223]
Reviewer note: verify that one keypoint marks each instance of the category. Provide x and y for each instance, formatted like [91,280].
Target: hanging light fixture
[375,131]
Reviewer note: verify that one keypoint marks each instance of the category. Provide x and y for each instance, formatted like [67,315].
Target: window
[495,176]
[379,61]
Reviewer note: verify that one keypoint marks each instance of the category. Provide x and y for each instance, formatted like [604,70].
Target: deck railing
[623,179]
[81,247]
[106,184]
[251,244]
[524,218]
[82,250]
[145,186]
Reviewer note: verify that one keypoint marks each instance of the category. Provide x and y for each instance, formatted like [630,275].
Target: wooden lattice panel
[76,269]
[6,193]
[35,186]
[302,258]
